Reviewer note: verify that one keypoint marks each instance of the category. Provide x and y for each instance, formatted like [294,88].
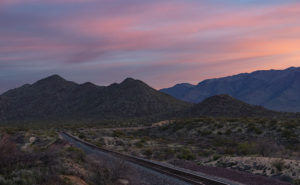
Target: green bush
[177,126]
[228,132]
[139,144]
[76,153]
[186,154]
[296,182]
[148,152]
[216,157]
[206,153]
[222,141]
[169,152]
[246,148]
[118,133]
[204,132]
[81,136]
[253,128]
[288,134]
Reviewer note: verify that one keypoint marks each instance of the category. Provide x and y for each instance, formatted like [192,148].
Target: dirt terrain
[268,148]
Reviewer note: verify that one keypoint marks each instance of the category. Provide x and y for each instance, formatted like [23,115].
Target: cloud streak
[161,42]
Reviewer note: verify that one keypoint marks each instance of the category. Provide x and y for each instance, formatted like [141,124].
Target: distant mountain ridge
[274,89]
[57,99]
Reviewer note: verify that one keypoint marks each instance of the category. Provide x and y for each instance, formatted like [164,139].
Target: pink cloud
[186,36]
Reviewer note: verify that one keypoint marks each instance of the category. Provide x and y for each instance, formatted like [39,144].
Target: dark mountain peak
[293,69]
[88,84]
[188,85]
[54,82]
[130,82]
[55,99]
[53,79]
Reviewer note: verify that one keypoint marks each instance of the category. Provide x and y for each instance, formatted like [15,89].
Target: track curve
[188,176]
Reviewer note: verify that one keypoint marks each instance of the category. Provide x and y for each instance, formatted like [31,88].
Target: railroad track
[181,174]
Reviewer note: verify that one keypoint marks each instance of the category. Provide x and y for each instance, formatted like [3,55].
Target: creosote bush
[186,154]
[278,164]
[118,133]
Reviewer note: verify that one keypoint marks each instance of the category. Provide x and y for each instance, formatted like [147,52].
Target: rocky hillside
[55,99]
[226,106]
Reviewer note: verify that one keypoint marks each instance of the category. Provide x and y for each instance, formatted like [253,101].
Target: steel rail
[189,177]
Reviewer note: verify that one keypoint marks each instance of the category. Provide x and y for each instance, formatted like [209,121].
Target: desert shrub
[139,144]
[262,121]
[278,164]
[165,153]
[273,122]
[186,154]
[216,157]
[144,139]
[219,125]
[229,151]
[204,132]
[246,148]
[119,143]
[266,147]
[118,133]
[228,132]
[82,136]
[177,126]
[99,144]
[8,148]
[205,153]
[75,153]
[17,167]
[290,125]
[222,141]
[296,182]
[288,134]
[11,130]
[254,129]
[148,152]
[232,120]
[110,171]
[164,128]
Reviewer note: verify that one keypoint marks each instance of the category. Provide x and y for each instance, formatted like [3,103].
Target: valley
[221,136]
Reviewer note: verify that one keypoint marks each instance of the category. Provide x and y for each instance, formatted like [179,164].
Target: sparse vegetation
[24,160]
[208,141]
[214,142]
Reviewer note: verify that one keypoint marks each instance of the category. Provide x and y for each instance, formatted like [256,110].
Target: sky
[162,42]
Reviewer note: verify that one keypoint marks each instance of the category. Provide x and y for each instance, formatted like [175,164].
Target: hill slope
[274,89]
[226,106]
[55,99]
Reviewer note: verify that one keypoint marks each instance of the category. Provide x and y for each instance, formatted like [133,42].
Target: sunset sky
[162,42]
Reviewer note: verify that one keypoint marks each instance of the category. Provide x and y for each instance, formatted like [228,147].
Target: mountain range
[274,89]
[57,100]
